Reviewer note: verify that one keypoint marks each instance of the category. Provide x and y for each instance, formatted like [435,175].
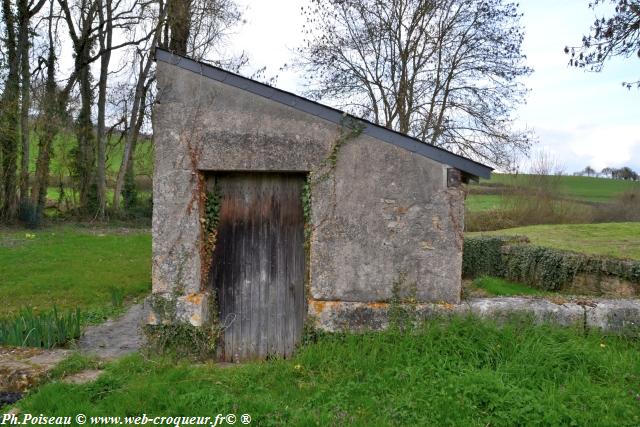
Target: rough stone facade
[381,215]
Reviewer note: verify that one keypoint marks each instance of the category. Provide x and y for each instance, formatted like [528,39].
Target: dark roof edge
[328,113]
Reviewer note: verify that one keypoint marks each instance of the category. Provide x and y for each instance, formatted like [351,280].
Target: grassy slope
[71,267]
[483,202]
[579,188]
[64,143]
[459,372]
[619,240]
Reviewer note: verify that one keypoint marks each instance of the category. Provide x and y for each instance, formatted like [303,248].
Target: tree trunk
[83,39]
[179,22]
[137,111]
[9,117]
[23,48]
[51,112]
[133,131]
[105,36]
[85,157]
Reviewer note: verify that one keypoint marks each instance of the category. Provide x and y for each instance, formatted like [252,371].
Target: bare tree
[607,172]
[192,28]
[195,27]
[137,114]
[82,32]
[50,111]
[618,35]
[444,71]
[96,29]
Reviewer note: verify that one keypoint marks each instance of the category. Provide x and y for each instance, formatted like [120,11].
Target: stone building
[271,210]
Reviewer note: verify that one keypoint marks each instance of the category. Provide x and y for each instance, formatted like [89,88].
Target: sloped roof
[334,115]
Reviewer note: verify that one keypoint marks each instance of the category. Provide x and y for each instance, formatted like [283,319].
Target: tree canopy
[444,71]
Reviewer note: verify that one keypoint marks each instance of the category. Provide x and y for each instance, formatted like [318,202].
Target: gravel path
[116,337]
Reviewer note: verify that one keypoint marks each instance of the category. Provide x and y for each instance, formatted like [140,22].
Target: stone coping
[614,315]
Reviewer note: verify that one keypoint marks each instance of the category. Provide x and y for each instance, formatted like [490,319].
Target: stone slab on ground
[620,315]
[23,368]
[83,377]
[115,337]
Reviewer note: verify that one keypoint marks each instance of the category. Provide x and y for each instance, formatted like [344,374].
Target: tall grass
[46,330]
[463,372]
[625,207]
[531,200]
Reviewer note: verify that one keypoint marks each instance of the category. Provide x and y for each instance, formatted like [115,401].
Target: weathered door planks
[258,264]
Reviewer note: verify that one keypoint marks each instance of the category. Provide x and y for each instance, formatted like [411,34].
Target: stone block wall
[380,214]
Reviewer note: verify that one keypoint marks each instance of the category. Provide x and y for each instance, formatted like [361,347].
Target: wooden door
[258,265]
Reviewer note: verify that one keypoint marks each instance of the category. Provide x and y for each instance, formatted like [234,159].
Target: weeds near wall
[182,340]
[403,312]
[178,338]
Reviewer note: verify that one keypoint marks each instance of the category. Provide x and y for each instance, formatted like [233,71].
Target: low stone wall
[619,316]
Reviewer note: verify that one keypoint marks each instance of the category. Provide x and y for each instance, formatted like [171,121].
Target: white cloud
[598,146]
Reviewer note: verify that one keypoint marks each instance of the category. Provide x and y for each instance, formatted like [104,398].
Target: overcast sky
[580,118]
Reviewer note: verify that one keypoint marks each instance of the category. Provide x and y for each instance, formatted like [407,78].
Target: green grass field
[495,286]
[483,202]
[578,188]
[72,266]
[618,240]
[466,372]
[582,188]
[64,143]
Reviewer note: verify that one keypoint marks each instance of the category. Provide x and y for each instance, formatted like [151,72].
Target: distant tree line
[624,173]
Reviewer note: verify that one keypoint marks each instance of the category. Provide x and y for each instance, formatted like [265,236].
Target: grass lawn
[618,240]
[496,286]
[582,188]
[53,193]
[64,143]
[450,372]
[71,266]
[483,202]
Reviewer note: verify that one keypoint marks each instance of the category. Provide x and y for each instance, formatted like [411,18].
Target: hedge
[536,266]
[482,256]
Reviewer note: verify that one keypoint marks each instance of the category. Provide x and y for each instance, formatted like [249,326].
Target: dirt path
[115,337]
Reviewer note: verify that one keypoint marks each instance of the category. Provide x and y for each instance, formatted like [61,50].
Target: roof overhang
[469,167]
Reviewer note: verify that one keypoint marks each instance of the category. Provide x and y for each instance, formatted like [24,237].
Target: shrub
[625,207]
[496,219]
